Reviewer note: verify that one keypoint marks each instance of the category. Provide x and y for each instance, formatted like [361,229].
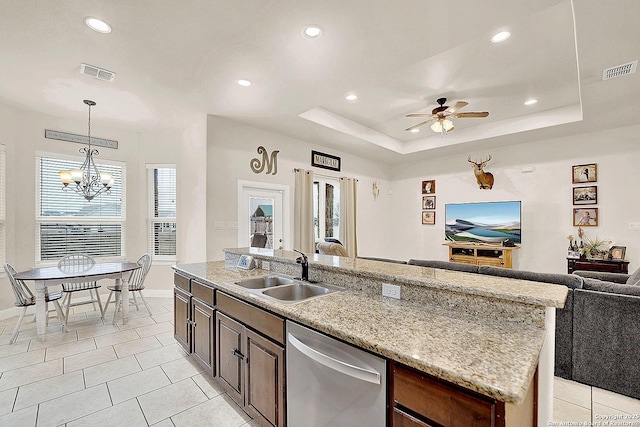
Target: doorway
[263,215]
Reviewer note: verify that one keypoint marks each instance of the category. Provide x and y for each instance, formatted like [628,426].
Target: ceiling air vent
[620,70]
[98,73]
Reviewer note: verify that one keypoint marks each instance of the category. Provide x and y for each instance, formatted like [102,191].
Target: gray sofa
[598,330]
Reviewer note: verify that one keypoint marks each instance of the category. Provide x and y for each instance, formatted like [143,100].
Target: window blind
[162,212]
[68,223]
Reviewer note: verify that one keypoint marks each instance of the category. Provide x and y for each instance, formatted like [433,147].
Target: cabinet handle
[236,353]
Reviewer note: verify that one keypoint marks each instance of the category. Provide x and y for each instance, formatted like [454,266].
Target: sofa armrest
[611,287]
[602,275]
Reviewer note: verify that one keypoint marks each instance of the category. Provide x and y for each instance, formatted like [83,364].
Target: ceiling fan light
[447,124]
[436,127]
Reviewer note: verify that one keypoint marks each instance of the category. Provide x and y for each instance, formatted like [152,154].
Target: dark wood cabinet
[250,365]
[230,356]
[203,334]
[194,322]
[265,391]
[182,318]
[421,400]
[605,265]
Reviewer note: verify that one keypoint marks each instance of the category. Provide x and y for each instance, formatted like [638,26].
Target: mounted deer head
[485,179]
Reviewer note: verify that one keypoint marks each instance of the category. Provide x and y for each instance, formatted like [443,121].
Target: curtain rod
[322,175]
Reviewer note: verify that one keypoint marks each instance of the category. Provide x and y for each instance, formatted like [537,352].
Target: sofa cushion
[605,276]
[568,280]
[634,279]
[610,287]
[444,265]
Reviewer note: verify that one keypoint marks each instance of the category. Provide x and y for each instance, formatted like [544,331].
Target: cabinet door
[265,392]
[230,359]
[402,419]
[181,319]
[203,337]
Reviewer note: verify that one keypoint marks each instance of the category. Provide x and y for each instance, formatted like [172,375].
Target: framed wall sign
[325,161]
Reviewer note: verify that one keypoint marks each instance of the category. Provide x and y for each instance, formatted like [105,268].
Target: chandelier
[89,182]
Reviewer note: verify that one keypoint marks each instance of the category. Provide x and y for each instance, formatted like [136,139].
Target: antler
[483,162]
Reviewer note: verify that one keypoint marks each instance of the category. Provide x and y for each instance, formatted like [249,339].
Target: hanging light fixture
[89,181]
[442,125]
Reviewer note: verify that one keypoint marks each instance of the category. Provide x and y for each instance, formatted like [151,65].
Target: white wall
[231,146]
[546,195]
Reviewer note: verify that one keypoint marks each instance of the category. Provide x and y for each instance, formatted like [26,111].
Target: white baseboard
[148,293]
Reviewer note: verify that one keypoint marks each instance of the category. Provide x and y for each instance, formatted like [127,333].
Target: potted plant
[595,248]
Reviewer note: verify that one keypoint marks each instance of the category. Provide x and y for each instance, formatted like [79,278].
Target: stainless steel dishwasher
[332,384]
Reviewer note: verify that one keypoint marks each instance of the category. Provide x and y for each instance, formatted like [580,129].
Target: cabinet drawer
[203,292]
[268,324]
[440,403]
[402,419]
[182,282]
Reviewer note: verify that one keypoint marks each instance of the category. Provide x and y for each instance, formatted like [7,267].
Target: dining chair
[78,263]
[25,299]
[136,284]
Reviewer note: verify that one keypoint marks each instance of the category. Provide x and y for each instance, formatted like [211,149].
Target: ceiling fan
[441,116]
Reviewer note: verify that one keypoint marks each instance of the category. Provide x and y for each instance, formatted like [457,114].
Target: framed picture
[428,202]
[585,217]
[573,254]
[429,217]
[429,187]
[584,173]
[585,195]
[618,252]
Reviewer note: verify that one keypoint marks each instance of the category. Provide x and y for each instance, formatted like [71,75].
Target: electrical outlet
[634,226]
[392,291]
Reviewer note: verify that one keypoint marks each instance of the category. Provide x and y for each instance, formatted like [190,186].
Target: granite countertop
[527,292]
[494,357]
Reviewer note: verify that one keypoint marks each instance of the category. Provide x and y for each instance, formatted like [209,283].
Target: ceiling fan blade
[418,125]
[472,114]
[455,107]
[419,115]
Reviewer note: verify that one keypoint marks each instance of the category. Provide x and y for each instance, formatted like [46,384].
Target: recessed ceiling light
[98,25]
[312,31]
[351,97]
[414,130]
[530,101]
[243,82]
[500,37]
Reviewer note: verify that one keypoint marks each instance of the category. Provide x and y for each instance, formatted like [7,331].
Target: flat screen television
[485,222]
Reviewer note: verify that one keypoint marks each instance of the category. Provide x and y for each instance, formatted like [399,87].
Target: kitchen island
[484,334]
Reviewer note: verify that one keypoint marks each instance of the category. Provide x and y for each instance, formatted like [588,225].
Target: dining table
[44,277]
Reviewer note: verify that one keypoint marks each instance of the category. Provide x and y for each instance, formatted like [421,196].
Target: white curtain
[303,238]
[348,197]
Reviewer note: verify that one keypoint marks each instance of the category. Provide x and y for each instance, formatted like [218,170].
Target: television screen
[487,222]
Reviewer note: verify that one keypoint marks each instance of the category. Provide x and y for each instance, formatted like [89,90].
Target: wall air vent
[620,70]
[97,72]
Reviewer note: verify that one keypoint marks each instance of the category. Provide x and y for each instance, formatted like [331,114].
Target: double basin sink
[283,289]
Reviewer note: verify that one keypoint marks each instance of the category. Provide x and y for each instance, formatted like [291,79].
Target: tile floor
[98,374]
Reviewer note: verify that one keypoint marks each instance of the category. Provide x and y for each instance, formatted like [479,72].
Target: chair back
[23,294]
[137,277]
[76,263]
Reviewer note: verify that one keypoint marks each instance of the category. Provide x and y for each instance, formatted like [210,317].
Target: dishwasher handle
[335,364]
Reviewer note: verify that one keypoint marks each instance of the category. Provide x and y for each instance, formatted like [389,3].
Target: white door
[263,215]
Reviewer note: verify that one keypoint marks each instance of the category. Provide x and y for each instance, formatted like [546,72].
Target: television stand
[481,254]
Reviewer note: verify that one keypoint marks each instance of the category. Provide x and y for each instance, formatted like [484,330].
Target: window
[326,208]
[2,207]
[67,223]
[162,211]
